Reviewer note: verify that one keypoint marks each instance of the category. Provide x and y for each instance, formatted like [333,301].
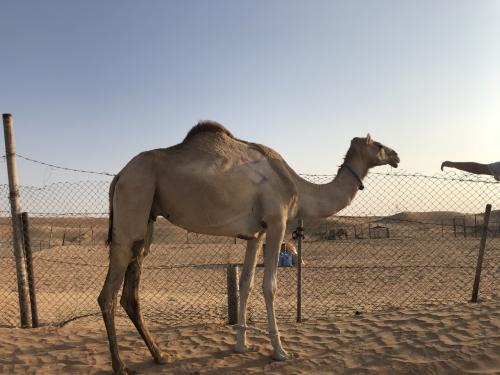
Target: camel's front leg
[274,239]
[246,284]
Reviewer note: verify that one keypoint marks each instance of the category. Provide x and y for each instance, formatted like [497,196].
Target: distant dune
[437,217]
[428,217]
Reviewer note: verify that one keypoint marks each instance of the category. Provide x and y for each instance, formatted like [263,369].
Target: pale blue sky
[91,83]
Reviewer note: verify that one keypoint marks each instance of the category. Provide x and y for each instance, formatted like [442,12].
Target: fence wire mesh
[407,239]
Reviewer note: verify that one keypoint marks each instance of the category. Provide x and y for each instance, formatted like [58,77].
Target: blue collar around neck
[356,176]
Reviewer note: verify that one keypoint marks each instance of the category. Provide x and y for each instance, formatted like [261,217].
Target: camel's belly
[240,230]
[220,223]
[227,211]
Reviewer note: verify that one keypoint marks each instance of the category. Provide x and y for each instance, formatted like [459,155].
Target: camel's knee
[105,301]
[101,300]
[269,289]
[246,282]
[118,264]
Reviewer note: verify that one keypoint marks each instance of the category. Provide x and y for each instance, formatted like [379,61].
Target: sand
[186,283]
[185,304]
[456,339]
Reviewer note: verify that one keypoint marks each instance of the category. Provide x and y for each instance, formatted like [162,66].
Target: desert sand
[409,292]
[455,339]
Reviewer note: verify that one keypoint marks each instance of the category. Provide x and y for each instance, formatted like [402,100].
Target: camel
[216,184]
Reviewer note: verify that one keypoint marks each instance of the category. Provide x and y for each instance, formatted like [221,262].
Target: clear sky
[92,83]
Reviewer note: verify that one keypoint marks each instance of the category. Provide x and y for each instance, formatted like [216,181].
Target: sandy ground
[184,300]
[436,340]
[186,283]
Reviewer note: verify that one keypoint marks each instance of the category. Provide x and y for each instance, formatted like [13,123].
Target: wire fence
[406,240]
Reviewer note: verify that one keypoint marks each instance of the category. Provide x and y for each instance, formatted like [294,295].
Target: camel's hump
[207,126]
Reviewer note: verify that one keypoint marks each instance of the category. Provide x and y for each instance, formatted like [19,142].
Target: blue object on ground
[285,259]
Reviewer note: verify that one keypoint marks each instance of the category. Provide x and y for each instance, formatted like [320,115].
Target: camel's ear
[369,139]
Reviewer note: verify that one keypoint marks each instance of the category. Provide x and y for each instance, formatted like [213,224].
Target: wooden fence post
[29,266]
[15,207]
[299,234]
[50,237]
[482,245]
[232,294]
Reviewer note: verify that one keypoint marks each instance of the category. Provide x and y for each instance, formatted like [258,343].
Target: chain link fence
[406,240]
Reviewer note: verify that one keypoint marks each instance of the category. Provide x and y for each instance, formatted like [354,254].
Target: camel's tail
[111,193]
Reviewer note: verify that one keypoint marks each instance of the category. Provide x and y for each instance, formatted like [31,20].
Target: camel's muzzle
[394,160]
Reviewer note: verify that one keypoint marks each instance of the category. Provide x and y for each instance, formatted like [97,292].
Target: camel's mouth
[394,161]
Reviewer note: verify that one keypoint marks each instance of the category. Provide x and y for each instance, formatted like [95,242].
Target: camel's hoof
[281,355]
[161,359]
[125,371]
[245,348]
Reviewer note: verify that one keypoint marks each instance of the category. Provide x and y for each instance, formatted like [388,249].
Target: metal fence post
[29,266]
[232,294]
[15,207]
[482,245]
[299,233]
[50,237]
[475,225]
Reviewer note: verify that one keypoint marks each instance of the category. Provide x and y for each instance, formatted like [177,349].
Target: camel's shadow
[198,364]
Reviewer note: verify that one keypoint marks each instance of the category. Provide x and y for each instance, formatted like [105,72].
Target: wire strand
[62,168]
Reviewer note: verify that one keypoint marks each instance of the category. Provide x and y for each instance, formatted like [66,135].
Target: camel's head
[375,153]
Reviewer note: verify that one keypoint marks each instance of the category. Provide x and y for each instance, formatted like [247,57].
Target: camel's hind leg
[131,195]
[130,297]
[119,260]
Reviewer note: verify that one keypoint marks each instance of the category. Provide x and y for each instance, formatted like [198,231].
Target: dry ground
[459,339]
[389,305]
[187,282]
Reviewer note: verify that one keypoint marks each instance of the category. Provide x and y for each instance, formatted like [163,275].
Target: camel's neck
[327,199]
